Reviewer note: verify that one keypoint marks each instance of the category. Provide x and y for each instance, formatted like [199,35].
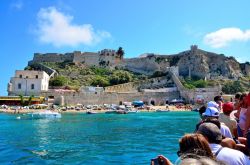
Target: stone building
[26,82]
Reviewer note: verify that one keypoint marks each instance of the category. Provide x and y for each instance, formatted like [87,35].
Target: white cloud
[56,28]
[17,5]
[225,36]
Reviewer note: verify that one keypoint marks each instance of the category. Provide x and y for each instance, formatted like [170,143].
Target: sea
[93,138]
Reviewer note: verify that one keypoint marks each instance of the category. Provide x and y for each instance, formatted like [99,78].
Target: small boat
[47,114]
[132,111]
[91,112]
[121,112]
[111,112]
[162,110]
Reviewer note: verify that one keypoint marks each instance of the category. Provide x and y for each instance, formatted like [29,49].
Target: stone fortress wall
[159,82]
[104,58]
[159,98]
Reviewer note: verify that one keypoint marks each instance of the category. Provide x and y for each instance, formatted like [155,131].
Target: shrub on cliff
[232,87]
[100,81]
[158,74]
[191,84]
[59,81]
[119,77]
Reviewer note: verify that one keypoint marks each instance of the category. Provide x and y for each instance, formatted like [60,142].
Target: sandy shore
[151,109]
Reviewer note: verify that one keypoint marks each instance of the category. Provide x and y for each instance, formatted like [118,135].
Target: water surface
[93,139]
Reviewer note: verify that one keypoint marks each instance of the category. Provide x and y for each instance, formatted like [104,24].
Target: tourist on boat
[191,146]
[225,118]
[230,156]
[241,113]
[247,128]
[212,112]
[237,101]
[219,101]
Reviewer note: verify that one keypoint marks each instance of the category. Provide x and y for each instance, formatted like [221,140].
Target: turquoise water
[93,139]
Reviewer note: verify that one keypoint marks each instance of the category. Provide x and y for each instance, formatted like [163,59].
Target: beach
[149,109]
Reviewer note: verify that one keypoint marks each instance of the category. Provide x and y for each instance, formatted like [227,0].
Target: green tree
[22,102]
[120,52]
[59,81]
[119,77]
[100,81]
[232,87]
[30,99]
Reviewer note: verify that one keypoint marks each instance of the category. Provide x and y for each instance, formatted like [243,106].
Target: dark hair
[218,98]
[242,96]
[195,144]
[202,109]
[237,95]
[243,103]
[212,120]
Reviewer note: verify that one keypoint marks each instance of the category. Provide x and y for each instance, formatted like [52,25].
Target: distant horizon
[139,27]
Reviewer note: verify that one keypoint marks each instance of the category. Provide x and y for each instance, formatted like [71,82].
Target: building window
[19,85]
[36,76]
[32,86]
[20,76]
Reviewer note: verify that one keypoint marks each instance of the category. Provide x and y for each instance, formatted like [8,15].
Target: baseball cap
[211,112]
[228,107]
[211,131]
[213,104]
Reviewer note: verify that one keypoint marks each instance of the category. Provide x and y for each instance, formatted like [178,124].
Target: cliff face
[145,65]
[203,64]
[194,63]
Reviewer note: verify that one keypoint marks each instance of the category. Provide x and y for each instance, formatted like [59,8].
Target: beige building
[27,83]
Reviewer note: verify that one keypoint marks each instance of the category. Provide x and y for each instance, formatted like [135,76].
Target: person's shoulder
[234,152]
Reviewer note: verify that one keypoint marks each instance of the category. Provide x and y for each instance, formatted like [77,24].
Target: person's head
[237,97]
[211,112]
[211,132]
[202,110]
[243,100]
[227,108]
[218,99]
[212,120]
[195,144]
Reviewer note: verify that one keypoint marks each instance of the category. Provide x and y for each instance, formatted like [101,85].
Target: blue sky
[139,26]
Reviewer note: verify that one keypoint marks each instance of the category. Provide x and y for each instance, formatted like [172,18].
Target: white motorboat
[91,112]
[47,114]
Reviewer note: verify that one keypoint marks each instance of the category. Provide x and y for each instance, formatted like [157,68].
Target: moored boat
[47,114]
[91,112]
[162,110]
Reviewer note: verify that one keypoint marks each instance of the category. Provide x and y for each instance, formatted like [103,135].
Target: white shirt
[230,156]
[225,131]
[242,118]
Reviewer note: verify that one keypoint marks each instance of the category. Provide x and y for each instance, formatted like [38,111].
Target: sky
[138,26]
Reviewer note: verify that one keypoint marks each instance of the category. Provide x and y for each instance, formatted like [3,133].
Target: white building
[28,82]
